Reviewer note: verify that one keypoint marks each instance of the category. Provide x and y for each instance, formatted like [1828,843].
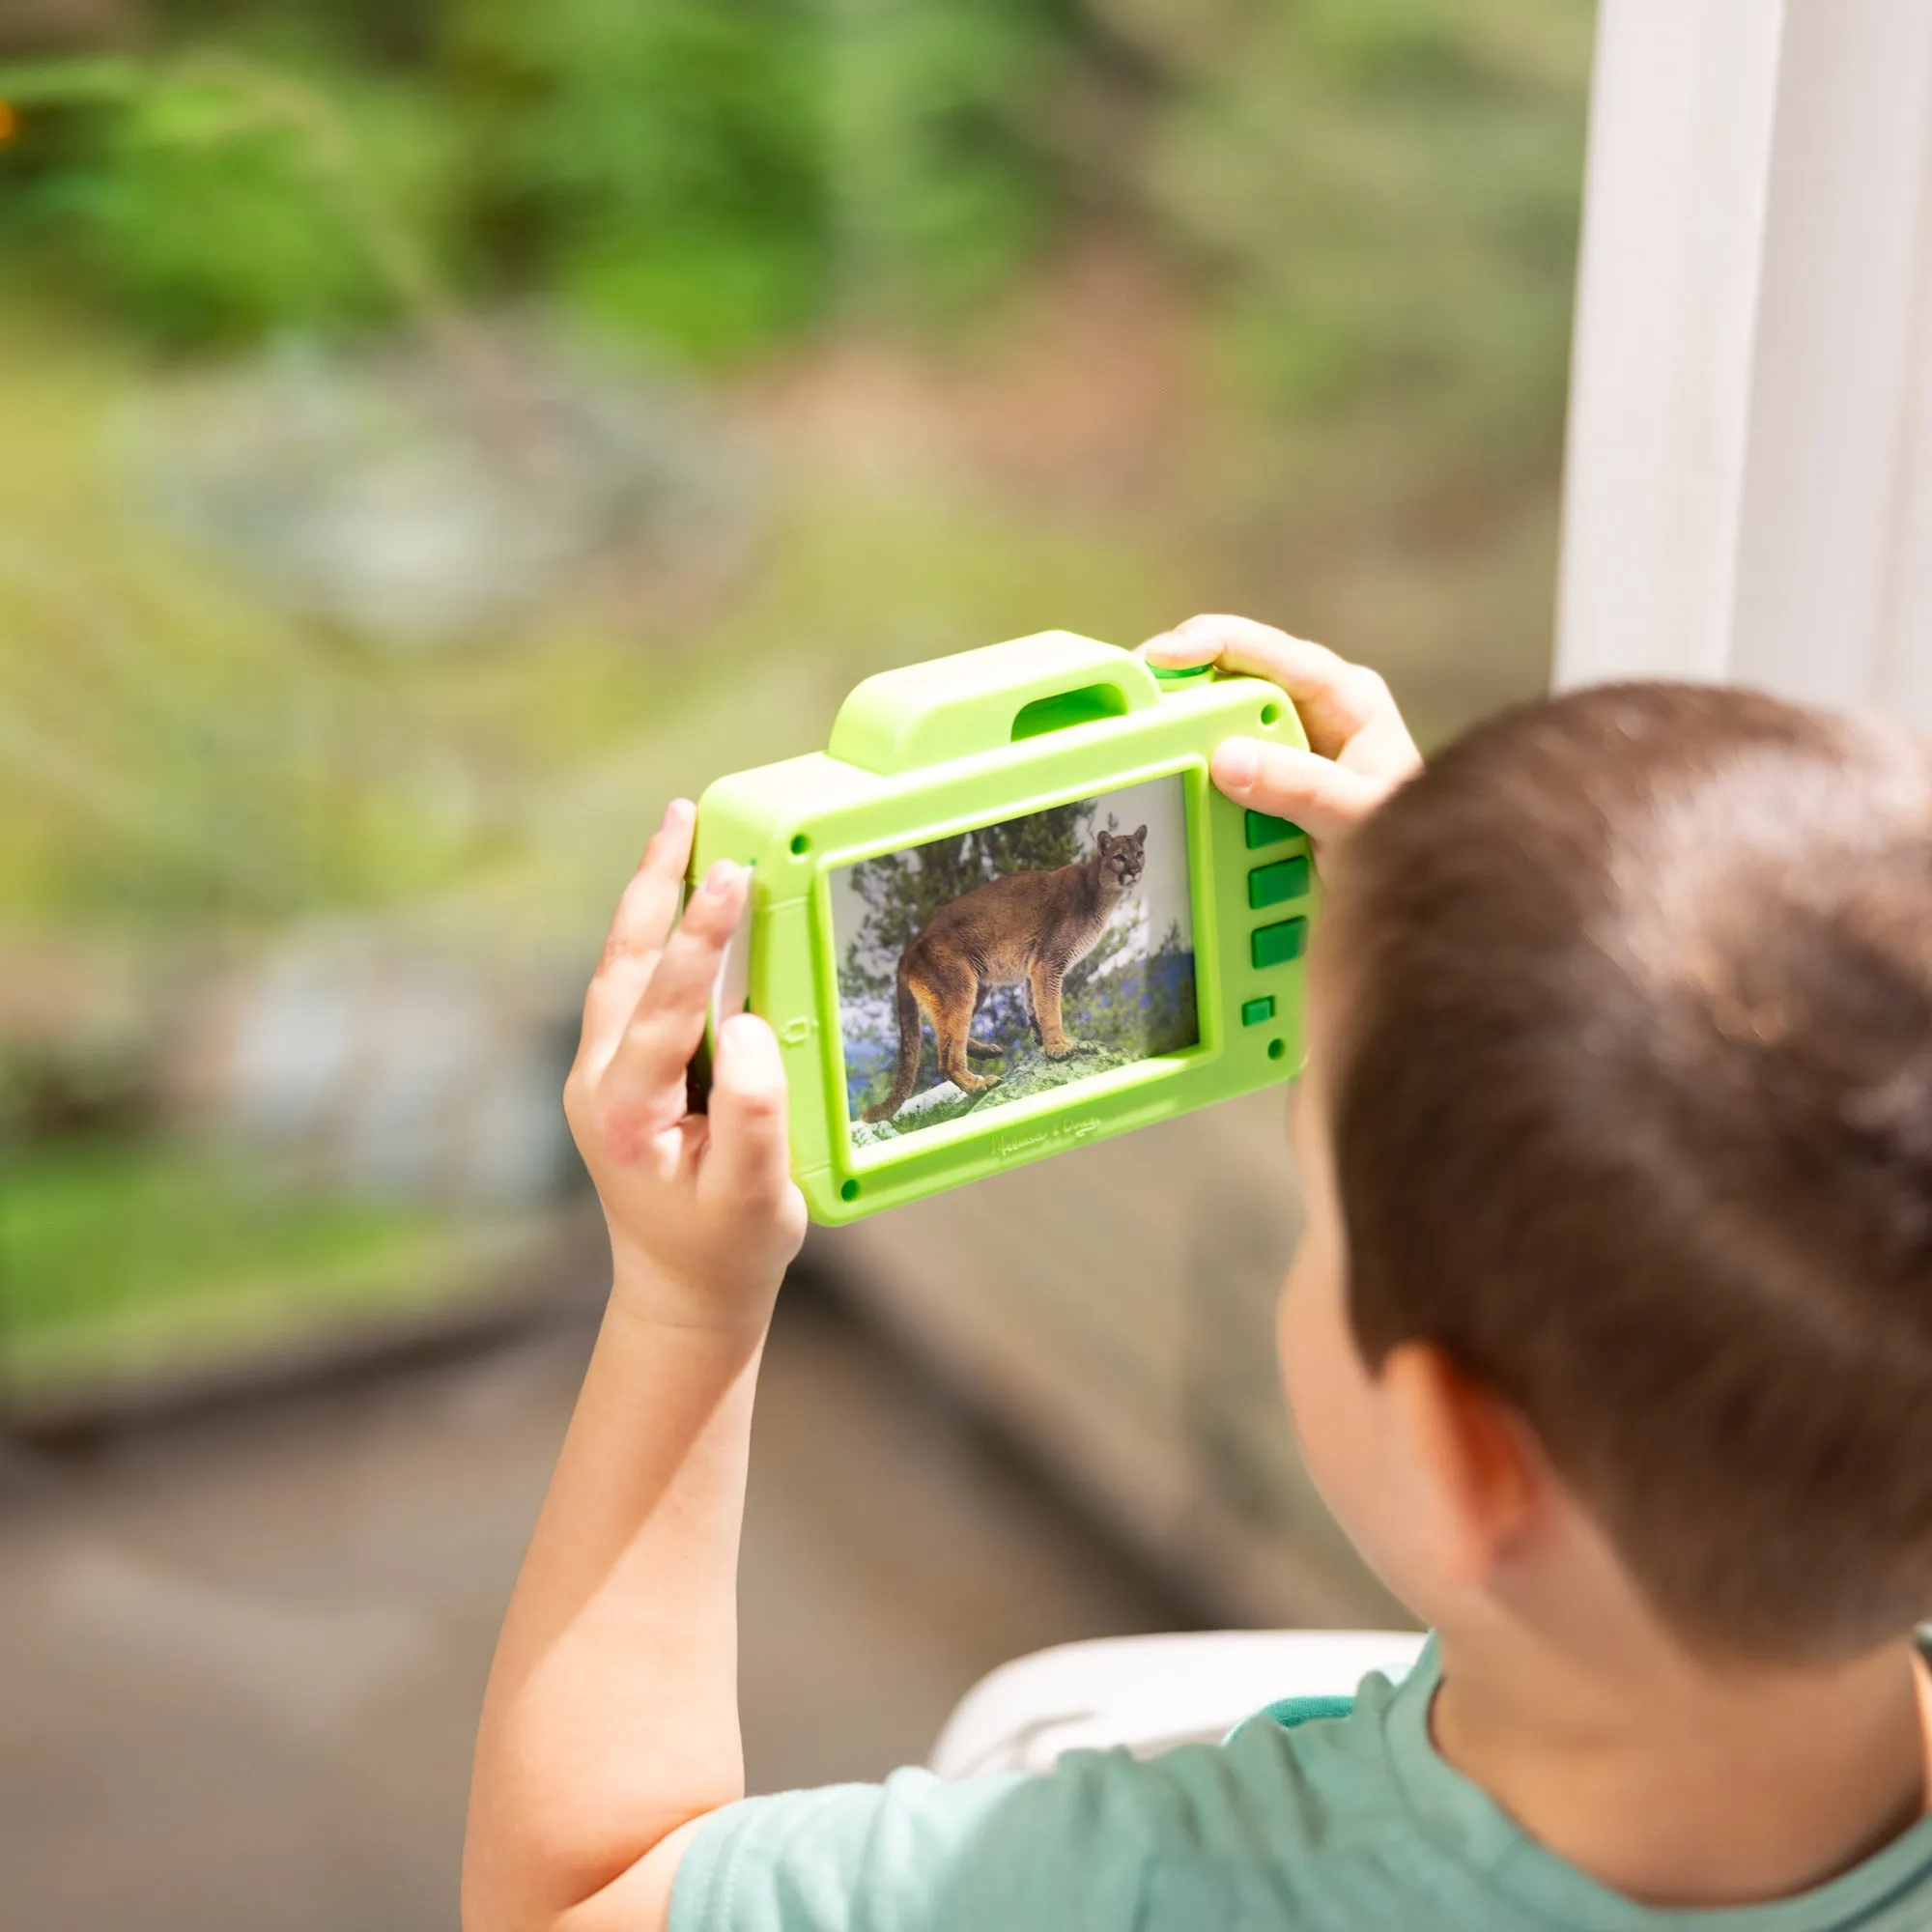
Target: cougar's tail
[907,1070]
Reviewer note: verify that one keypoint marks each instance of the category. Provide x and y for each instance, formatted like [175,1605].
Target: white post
[1749,487]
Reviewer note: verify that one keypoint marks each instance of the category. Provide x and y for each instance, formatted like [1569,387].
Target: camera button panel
[1275,885]
[1280,944]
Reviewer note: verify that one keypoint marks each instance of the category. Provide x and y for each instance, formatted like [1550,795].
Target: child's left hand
[702,1211]
[610,1727]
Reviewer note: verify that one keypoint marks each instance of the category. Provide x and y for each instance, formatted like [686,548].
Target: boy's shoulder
[1287,1820]
[1301,1822]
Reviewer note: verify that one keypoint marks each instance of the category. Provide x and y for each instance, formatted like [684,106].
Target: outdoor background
[432,434]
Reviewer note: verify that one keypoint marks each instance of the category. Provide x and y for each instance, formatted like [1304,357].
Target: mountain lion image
[1028,928]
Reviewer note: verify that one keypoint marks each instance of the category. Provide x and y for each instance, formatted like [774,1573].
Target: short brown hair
[1632,1116]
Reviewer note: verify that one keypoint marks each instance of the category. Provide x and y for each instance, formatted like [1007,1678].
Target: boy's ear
[1483,1469]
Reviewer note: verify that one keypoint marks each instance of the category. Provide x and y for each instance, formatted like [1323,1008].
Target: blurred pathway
[240,1656]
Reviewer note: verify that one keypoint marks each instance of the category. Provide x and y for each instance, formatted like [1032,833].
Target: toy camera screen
[984,968]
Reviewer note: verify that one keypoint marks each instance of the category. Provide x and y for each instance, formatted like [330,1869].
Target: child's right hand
[701,1208]
[1360,750]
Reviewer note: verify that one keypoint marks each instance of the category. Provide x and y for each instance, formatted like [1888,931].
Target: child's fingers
[646,1074]
[1341,705]
[1326,799]
[750,1160]
[644,918]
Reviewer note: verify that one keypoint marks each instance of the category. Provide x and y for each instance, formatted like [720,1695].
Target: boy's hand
[701,1208]
[1361,749]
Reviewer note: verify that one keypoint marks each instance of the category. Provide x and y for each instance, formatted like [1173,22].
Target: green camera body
[954,756]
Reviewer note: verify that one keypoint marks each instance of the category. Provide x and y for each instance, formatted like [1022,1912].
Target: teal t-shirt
[1347,1823]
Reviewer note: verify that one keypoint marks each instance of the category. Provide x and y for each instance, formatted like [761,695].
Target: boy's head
[1622,1130]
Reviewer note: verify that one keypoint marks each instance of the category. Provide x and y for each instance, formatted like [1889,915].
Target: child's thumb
[747,1105]
[1326,799]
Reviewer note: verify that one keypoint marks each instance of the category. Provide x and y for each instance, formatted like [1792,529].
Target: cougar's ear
[1106,845]
[1140,837]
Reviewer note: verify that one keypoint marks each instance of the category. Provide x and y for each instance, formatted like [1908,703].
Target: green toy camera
[1007,913]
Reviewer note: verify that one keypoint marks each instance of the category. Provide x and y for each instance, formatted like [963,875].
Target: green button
[1277,945]
[1275,885]
[1179,674]
[1265,831]
[1257,1012]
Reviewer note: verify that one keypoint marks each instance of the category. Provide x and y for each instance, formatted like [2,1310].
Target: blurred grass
[121,1262]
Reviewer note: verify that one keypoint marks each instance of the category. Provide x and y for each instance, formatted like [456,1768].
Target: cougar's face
[1123,859]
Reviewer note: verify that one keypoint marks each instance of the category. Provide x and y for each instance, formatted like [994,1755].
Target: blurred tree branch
[215,98]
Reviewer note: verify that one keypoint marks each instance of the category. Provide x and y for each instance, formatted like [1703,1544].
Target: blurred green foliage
[1375,194]
[1388,190]
[658,165]
[712,174]
[212,198]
